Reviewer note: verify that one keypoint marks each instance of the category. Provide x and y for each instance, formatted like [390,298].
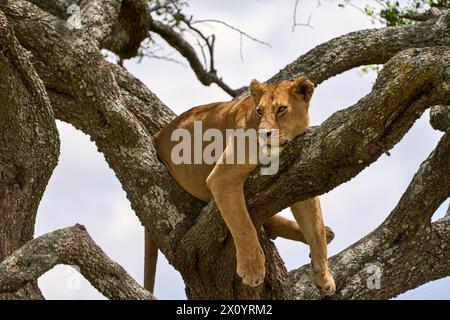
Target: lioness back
[219,115]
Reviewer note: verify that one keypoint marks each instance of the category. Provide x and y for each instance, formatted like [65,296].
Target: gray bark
[117,25]
[327,156]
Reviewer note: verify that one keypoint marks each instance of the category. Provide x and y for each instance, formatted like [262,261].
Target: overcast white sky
[84,190]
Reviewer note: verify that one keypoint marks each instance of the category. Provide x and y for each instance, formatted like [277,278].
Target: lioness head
[282,106]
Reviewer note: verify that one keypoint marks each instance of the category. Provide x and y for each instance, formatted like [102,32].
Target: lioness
[282,106]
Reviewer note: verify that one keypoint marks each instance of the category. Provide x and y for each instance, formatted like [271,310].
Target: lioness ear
[304,87]
[257,90]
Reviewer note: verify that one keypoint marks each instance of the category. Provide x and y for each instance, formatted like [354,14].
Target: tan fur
[224,182]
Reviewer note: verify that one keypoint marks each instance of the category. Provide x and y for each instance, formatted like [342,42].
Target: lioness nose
[265,132]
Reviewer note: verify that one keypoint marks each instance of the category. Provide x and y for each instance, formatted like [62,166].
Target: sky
[83,189]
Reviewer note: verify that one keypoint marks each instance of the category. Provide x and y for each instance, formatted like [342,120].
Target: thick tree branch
[119,25]
[407,249]
[72,246]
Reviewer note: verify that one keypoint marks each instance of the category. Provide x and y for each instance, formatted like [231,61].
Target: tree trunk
[28,150]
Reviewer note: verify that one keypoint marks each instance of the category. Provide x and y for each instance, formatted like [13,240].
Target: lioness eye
[259,111]
[281,109]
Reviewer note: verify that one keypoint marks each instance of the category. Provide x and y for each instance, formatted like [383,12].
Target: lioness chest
[221,116]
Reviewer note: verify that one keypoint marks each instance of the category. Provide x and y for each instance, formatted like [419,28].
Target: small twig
[440,117]
[174,37]
[381,3]
[294,18]
[243,33]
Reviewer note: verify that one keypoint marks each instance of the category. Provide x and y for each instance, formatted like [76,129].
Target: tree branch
[29,148]
[175,40]
[407,249]
[229,26]
[71,246]
[372,46]
[432,13]
[72,71]
[98,18]
[294,18]
[440,117]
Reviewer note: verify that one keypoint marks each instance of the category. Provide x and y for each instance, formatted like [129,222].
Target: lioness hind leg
[226,183]
[278,226]
[309,217]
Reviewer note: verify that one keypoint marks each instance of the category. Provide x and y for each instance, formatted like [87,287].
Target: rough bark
[71,72]
[407,249]
[29,149]
[72,246]
[120,115]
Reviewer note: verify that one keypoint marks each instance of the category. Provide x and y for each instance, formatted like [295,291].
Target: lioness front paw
[250,265]
[325,282]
